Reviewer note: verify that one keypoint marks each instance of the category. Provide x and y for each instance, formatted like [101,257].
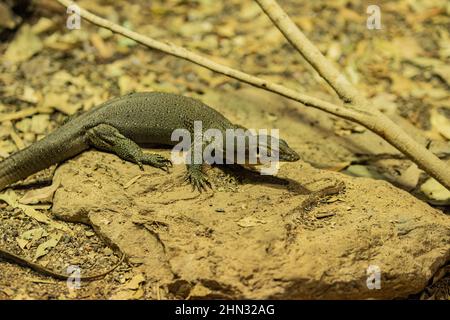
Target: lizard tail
[56,147]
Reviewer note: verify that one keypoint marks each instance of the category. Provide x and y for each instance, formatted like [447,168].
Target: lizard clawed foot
[198,180]
[157,161]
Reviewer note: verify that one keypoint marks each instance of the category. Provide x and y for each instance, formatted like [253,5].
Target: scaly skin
[119,126]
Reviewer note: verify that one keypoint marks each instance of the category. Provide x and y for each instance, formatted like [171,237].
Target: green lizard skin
[119,126]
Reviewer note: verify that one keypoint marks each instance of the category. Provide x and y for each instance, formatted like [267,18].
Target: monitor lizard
[119,126]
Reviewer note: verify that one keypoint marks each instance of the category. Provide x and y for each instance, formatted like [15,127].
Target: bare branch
[380,124]
[309,51]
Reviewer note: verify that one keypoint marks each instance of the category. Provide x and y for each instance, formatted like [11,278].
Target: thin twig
[309,51]
[377,121]
[371,119]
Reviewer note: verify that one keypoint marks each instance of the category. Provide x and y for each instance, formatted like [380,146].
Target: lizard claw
[158,161]
[164,165]
[198,180]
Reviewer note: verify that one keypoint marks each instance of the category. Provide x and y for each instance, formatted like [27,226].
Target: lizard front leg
[195,175]
[197,178]
[108,138]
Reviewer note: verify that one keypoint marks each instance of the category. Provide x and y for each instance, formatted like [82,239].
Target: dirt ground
[311,232]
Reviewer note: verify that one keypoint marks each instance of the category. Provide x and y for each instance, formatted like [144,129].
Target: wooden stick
[377,121]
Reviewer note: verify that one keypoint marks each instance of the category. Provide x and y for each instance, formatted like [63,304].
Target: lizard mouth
[282,155]
[290,156]
[262,161]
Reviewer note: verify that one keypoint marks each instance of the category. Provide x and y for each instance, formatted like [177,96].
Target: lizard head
[274,147]
[257,149]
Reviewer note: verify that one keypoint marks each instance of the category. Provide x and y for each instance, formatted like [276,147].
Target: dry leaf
[34,234]
[40,123]
[410,177]
[30,236]
[24,46]
[22,242]
[43,25]
[132,290]
[104,50]
[42,195]
[362,171]
[17,140]
[7,17]
[435,191]
[60,102]
[199,291]
[441,123]
[29,95]
[135,282]
[45,247]
[23,113]
[11,198]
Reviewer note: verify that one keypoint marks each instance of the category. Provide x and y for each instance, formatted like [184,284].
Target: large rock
[258,236]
